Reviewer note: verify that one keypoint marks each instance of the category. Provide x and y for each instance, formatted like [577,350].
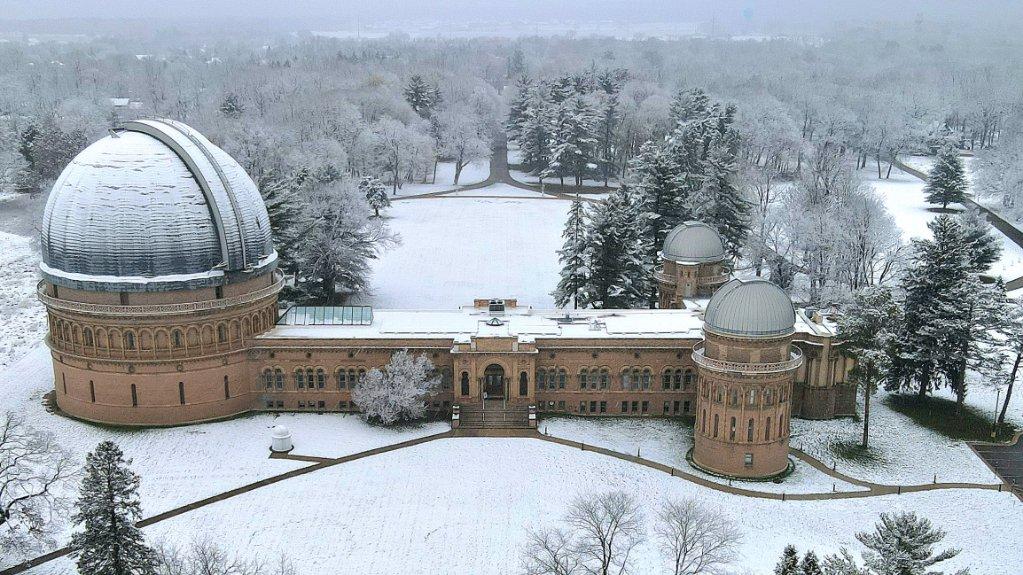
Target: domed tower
[692,264]
[158,267]
[745,368]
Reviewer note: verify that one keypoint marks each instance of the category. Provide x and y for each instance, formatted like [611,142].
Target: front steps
[494,415]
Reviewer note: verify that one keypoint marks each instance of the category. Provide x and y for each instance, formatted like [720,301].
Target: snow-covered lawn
[183,464]
[667,441]
[456,249]
[473,173]
[903,194]
[465,505]
[24,321]
[499,191]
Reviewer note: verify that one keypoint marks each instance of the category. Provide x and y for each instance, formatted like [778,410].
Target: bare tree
[32,469]
[550,552]
[606,529]
[204,557]
[695,539]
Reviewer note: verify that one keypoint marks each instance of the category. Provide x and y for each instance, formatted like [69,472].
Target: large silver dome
[693,242]
[750,308]
[152,207]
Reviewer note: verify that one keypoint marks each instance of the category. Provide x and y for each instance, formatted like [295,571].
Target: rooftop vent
[496,306]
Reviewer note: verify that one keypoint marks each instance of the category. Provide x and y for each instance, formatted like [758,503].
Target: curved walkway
[318,463]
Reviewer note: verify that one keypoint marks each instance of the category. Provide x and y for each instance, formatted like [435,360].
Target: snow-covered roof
[693,242]
[754,308]
[153,206]
[525,324]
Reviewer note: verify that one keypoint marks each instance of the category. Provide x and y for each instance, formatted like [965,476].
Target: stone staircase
[493,416]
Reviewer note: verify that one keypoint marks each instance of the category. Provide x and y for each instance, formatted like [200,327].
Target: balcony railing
[714,280]
[662,277]
[794,361]
[158,309]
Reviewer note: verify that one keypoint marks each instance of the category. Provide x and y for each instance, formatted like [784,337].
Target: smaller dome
[756,308]
[280,431]
[693,242]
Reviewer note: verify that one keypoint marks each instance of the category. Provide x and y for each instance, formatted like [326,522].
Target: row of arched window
[131,341]
[308,377]
[631,378]
[733,434]
[752,397]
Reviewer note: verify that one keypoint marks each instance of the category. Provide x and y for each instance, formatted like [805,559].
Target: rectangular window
[593,407]
[748,461]
[124,298]
[301,405]
[63,378]
[646,406]
[219,292]
[666,407]
[635,406]
[269,404]
[561,405]
[582,407]
[685,406]
[181,392]
[92,391]
[321,404]
[603,407]
[134,396]
[227,389]
[625,407]
[280,404]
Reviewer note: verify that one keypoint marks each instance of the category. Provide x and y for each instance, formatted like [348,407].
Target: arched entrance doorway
[493,381]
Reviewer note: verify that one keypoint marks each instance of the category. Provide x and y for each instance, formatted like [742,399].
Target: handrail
[796,359]
[711,280]
[660,276]
[157,309]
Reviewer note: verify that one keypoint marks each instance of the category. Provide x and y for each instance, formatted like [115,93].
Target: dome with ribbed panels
[693,242]
[755,308]
[154,206]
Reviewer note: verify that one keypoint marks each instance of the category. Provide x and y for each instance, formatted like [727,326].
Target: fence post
[783,496]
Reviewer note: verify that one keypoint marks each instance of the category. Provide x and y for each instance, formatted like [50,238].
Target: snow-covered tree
[609,117]
[517,110]
[721,204]
[396,146]
[33,470]
[375,193]
[286,208]
[810,565]
[421,96]
[695,539]
[463,137]
[574,141]
[108,508]
[205,557]
[903,544]
[536,135]
[399,391]
[572,256]
[985,248]
[232,105]
[343,239]
[946,184]
[869,326]
[789,562]
[620,270]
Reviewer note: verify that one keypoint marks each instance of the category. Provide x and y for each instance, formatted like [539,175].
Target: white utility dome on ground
[280,439]
[694,242]
[750,308]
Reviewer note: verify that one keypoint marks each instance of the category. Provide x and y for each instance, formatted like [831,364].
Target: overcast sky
[320,13]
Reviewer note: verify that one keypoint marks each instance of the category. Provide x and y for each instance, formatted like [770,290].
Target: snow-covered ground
[456,249]
[903,195]
[667,441]
[465,506]
[500,191]
[183,464]
[471,174]
[24,321]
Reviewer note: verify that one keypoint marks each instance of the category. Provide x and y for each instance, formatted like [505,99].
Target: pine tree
[721,203]
[535,138]
[376,194]
[524,92]
[232,106]
[619,268]
[108,507]
[903,544]
[421,96]
[946,184]
[607,128]
[810,565]
[286,209]
[572,256]
[574,141]
[665,203]
[869,328]
[789,562]
[984,247]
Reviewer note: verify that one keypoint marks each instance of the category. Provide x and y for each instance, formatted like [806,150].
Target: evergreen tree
[572,256]
[524,92]
[946,184]
[574,141]
[535,137]
[376,194]
[810,565]
[286,209]
[984,247]
[789,562]
[108,507]
[903,544]
[619,268]
[720,203]
[421,96]
[607,128]
[232,106]
[688,105]
[869,328]
[665,203]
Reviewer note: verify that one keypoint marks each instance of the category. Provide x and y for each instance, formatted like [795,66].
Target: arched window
[584,375]
[781,421]
[703,419]
[341,378]
[749,431]
[541,379]
[176,339]
[626,379]
[222,333]
[768,397]
[321,378]
[751,398]
[523,384]
[666,379]
[268,378]
[309,377]
[719,394]
[465,383]
[129,340]
[562,378]
[446,378]
[300,378]
[767,430]
[635,378]
[676,379]
[362,375]
[279,378]
[605,378]
[88,336]
[731,430]
[687,379]
[733,397]
[715,425]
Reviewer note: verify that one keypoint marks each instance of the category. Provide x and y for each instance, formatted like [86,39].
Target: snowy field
[667,441]
[465,505]
[471,174]
[24,320]
[903,195]
[183,464]
[454,250]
